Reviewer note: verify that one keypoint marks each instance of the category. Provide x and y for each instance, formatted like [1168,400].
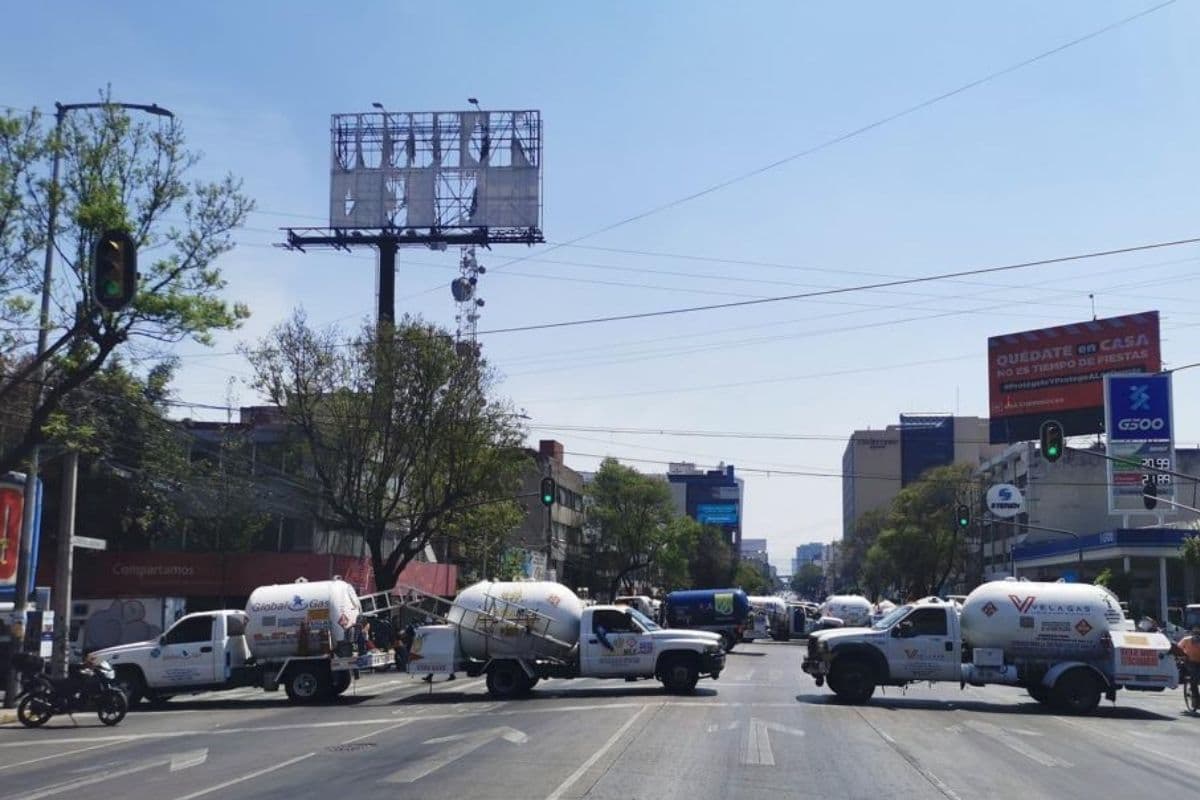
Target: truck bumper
[712,663]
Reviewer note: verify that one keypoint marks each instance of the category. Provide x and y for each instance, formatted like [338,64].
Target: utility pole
[64,566]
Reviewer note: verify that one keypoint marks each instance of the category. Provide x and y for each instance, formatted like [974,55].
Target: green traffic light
[1052,451]
[112,289]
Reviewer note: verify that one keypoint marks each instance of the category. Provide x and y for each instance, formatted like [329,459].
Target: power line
[844,289]
[844,137]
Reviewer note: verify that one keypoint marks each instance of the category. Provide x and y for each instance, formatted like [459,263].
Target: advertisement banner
[12,509]
[1138,407]
[1057,373]
[1138,415]
[717,513]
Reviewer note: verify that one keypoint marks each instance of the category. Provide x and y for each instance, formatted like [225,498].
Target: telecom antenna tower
[463,289]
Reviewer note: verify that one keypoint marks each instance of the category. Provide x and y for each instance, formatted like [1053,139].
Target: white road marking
[246,777]
[756,747]
[596,756]
[59,755]
[911,760]
[187,759]
[191,759]
[1016,745]
[508,712]
[460,744]
[378,731]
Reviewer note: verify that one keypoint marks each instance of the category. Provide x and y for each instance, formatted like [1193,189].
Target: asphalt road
[763,730]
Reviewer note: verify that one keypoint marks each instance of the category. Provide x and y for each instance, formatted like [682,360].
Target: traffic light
[1150,492]
[964,516]
[1052,440]
[114,271]
[549,492]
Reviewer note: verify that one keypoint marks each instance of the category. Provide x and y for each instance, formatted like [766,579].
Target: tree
[134,462]
[750,578]
[479,535]
[855,548]
[116,174]
[403,434]
[1119,583]
[808,580]
[922,545]
[634,514]
[711,563]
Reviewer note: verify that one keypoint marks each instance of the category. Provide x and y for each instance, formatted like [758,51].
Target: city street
[763,730]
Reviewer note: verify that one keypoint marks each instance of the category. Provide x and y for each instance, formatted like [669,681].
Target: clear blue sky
[1092,148]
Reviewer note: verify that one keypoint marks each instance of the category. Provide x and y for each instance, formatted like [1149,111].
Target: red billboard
[1058,373]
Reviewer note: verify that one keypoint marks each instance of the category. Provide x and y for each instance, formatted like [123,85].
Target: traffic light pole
[25,575]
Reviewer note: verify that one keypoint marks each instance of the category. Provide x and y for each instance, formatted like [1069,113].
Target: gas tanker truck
[1067,644]
[520,633]
[297,635]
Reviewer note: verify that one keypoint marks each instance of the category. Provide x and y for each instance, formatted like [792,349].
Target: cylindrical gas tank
[493,623]
[304,618]
[1050,620]
[853,610]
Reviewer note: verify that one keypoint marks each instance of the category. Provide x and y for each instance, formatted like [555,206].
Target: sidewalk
[7,715]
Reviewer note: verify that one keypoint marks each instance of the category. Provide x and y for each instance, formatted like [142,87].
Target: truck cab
[920,642]
[199,652]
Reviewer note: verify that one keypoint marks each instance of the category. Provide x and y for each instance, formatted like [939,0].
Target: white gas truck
[522,632]
[298,635]
[1067,644]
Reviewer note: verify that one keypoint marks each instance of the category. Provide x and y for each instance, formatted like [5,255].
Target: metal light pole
[24,566]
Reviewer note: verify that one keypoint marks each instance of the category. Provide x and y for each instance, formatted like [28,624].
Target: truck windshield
[891,618]
[1191,617]
[643,620]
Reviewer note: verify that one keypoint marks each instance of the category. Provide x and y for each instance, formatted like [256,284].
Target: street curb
[7,715]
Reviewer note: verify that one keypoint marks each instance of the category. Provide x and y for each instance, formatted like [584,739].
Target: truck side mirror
[162,639]
[903,628]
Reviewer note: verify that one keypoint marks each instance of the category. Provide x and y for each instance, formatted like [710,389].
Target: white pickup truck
[520,633]
[294,635]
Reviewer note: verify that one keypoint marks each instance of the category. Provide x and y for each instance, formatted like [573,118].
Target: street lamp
[24,578]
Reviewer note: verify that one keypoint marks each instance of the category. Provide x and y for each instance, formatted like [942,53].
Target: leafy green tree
[750,578]
[922,546]
[402,432]
[116,173]
[808,580]
[634,515]
[855,548]
[479,534]
[710,564]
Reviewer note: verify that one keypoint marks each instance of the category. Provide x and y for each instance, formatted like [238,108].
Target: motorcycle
[88,687]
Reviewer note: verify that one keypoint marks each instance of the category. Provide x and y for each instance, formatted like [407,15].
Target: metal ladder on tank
[498,620]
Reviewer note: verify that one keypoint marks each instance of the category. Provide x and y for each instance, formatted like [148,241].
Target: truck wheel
[679,676]
[506,680]
[340,683]
[306,684]
[852,681]
[728,641]
[1040,693]
[1077,692]
[132,684]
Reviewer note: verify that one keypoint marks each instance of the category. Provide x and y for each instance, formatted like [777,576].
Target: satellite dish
[462,289]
